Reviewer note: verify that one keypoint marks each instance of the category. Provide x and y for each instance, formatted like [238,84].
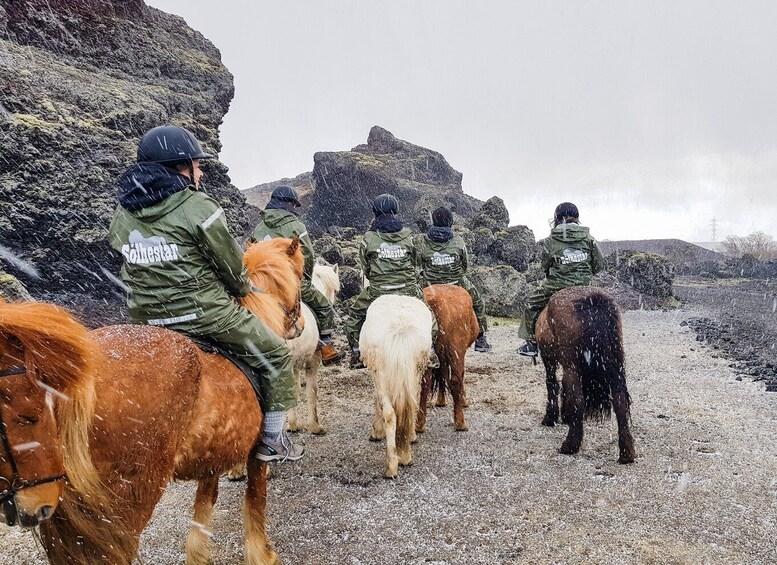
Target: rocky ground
[738,319]
[702,491]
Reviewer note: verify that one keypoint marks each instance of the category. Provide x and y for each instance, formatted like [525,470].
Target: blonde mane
[327,280]
[62,354]
[275,267]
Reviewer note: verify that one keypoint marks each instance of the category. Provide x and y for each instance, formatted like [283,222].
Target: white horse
[394,343]
[305,354]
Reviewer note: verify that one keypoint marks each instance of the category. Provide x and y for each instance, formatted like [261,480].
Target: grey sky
[654,117]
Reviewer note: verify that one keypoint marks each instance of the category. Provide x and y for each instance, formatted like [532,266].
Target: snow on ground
[704,489]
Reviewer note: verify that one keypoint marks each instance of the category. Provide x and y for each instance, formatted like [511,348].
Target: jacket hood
[569,232]
[275,217]
[395,237]
[440,234]
[156,211]
[146,184]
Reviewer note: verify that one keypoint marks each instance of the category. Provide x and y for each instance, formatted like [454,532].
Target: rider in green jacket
[570,257]
[388,259]
[185,272]
[444,260]
[280,219]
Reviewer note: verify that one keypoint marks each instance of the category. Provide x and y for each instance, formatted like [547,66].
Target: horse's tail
[398,369]
[439,381]
[600,354]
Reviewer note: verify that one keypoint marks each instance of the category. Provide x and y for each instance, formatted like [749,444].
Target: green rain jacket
[444,262]
[180,262]
[281,223]
[389,259]
[570,256]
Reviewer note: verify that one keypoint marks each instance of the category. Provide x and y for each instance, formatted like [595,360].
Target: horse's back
[395,314]
[452,306]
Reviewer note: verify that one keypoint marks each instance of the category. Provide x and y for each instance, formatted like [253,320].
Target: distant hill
[676,250]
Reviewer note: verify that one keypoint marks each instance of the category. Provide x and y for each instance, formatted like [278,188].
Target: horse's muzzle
[10,515]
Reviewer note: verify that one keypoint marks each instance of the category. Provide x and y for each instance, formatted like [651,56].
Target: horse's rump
[586,324]
[458,327]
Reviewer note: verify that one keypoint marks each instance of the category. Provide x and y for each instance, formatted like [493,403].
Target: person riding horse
[444,260]
[570,257]
[185,272]
[389,260]
[280,219]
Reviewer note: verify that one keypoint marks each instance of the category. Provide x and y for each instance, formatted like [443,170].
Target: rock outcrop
[348,181]
[647,273]
[82,81]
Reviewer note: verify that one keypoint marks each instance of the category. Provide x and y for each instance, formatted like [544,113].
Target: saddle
[250,372]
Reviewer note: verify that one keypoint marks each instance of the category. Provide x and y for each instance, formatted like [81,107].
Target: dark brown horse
[580,330]
[134,407]
[452,306]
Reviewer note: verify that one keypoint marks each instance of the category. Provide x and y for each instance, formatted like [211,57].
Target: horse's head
[326,278]
[32,470]
[276,267]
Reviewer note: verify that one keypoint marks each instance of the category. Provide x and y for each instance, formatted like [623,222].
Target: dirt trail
[703,491]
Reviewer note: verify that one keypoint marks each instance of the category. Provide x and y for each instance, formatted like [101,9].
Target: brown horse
[452,306]
[162,409]
[580,329]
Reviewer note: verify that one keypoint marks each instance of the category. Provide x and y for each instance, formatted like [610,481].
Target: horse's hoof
[390,475]
[319,431]
[462,428]
[420,431]
[548,422]
[440,404]
[373,438]
[567,449]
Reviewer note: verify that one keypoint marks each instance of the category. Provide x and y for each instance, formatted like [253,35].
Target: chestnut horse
[151,407]
[580,330]
[452,306]
[395,342]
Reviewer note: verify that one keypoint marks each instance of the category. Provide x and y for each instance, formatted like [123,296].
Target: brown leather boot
[329,354]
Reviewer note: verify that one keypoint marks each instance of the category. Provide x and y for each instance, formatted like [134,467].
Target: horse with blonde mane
[452,306]
[394,344]
[305,352]
[137,406]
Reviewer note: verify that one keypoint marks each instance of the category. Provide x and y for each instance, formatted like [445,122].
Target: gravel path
[703,490]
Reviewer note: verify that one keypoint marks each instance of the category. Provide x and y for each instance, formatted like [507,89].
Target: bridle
[16,483]
[295,313]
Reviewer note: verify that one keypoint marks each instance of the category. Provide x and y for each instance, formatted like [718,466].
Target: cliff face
[81,81]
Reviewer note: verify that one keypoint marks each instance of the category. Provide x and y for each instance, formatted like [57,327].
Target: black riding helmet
[565,210]
[170,145]
[285,193]
[385,204]
[442,217]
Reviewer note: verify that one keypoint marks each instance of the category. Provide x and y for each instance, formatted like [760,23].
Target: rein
[16,483]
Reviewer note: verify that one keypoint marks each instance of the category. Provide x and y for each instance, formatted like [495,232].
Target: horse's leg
[574,407]
[390,427]
[257,550]
[311,389]
[620,404]
[551,382]
[457,392]
[378,430]
[441,391]
[198,542]
[426,388]
[293,415]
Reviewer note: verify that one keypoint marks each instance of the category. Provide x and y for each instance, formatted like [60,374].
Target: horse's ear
[293,247]
[336,269]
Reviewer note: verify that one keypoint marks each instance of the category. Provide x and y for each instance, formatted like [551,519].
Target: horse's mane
[63,355]
[329,279]
[274,266]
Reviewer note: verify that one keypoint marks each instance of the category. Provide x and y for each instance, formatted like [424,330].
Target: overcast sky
[653,117]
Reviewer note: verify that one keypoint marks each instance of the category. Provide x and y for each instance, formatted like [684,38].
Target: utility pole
[714,224]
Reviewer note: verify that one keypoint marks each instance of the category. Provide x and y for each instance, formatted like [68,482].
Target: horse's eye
[27,420]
